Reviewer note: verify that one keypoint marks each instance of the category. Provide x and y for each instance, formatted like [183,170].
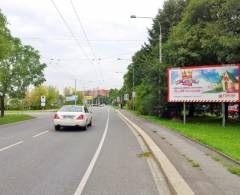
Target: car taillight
[80,117]
[55,116]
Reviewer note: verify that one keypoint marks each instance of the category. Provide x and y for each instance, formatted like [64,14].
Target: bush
[130,104]
[15,104]
[146,100]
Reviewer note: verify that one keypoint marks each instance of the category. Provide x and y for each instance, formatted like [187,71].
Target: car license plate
[68,117]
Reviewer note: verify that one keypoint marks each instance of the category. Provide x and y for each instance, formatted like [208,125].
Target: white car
[72,115]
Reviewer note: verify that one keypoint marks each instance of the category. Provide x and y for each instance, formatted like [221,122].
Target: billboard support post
[223,115]
[184,113]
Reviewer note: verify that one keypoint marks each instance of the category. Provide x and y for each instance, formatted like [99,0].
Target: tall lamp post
[160,34]
[160,47]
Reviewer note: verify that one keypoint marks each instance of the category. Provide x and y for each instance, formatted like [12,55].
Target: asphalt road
[36,160]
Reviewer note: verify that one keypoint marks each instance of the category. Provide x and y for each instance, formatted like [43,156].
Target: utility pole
[160,60]
[75,88]
[160,51]
[133,93]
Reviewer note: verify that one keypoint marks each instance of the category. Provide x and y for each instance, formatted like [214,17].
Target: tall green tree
[20,65]
[146,66]
[4,37]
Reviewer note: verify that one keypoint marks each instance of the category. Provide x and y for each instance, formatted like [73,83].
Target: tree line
[194,32]
[32,99]
[20,65]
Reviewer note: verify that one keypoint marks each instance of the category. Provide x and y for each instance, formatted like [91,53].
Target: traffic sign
[126,97]
[43,104]
[43,99]
[71,98]
[118,99]
[133,94]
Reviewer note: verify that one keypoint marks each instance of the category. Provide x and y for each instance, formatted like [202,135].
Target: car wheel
[90,124]
[57,127]
[85,127]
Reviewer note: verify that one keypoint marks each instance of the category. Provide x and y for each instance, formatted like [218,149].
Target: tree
[147,69]
[194,32]
[20,66]
[113,94]
[53,97]
[4,37]
[35,96]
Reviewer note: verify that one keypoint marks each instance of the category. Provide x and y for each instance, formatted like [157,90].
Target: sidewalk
[193,161]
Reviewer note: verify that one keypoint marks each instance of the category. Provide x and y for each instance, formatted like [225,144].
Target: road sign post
[126,97]
[223,115]
[184,113]
[43,101]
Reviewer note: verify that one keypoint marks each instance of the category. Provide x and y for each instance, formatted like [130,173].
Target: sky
[83,45]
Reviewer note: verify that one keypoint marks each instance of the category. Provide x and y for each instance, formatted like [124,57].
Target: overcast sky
[107,24]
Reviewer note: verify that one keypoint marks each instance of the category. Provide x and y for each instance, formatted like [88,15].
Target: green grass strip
[12,118]
[207,131]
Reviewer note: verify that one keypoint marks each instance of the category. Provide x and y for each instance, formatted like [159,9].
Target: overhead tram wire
[72,34]
[85,34]
[90,40]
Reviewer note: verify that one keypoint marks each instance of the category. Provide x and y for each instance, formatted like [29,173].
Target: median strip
[175,180]
[10,146]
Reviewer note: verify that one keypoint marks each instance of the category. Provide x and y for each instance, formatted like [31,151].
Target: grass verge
[144,154]
[231,168]
[12,118]
[207,131]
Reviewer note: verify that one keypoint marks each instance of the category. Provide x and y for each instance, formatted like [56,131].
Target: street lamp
[160,46]
[160,34]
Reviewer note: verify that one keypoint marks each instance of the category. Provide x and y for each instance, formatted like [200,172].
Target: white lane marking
[89,170]
[10,146]
[39,134]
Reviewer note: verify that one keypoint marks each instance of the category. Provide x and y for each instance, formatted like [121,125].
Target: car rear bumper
[69,122]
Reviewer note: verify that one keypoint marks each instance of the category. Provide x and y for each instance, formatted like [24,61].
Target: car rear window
[71,109]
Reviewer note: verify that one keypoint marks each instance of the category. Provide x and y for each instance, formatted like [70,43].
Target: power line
[84,33]
[90,40]
[72,34]
[81,26]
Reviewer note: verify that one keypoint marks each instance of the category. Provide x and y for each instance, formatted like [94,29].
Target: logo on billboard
[187,78]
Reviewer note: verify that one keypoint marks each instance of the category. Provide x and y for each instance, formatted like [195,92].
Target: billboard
[213,83]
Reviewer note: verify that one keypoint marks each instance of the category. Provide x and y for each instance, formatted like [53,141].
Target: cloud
[37,23]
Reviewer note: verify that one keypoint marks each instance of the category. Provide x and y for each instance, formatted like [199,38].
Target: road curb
[176,182]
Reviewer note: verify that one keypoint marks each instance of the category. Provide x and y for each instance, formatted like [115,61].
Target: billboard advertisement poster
[213,83]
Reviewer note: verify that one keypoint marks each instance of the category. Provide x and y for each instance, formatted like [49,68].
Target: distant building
[96,92]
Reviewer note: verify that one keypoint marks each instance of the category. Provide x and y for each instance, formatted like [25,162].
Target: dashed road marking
[10,146]
[93,161]
[39,134]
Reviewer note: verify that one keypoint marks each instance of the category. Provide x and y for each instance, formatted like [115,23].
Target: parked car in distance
[72,115]
[233,110]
